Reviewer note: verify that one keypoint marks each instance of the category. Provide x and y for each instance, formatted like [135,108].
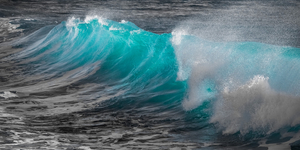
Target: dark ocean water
[149,74]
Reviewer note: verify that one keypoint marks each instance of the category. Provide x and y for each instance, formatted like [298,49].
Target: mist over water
[150,75]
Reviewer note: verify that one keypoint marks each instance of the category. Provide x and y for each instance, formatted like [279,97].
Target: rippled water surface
[149,74]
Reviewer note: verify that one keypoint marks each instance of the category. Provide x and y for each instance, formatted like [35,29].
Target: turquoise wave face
[247,86]
[105,51]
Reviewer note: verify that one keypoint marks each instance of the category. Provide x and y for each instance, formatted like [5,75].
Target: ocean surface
[153,74]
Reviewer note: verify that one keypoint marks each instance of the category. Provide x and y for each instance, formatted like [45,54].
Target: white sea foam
[177,35]
[8,27]
[8,94]
[29,19]
[198,64]
[254,84]
[255,106]
[71,22]
[74,21]
[135,31]
[123,21]
[100,19]
[113,28]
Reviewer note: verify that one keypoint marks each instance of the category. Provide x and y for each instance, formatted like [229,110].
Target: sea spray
[254,86]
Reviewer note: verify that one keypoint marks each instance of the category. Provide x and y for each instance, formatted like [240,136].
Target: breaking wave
[251,86]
